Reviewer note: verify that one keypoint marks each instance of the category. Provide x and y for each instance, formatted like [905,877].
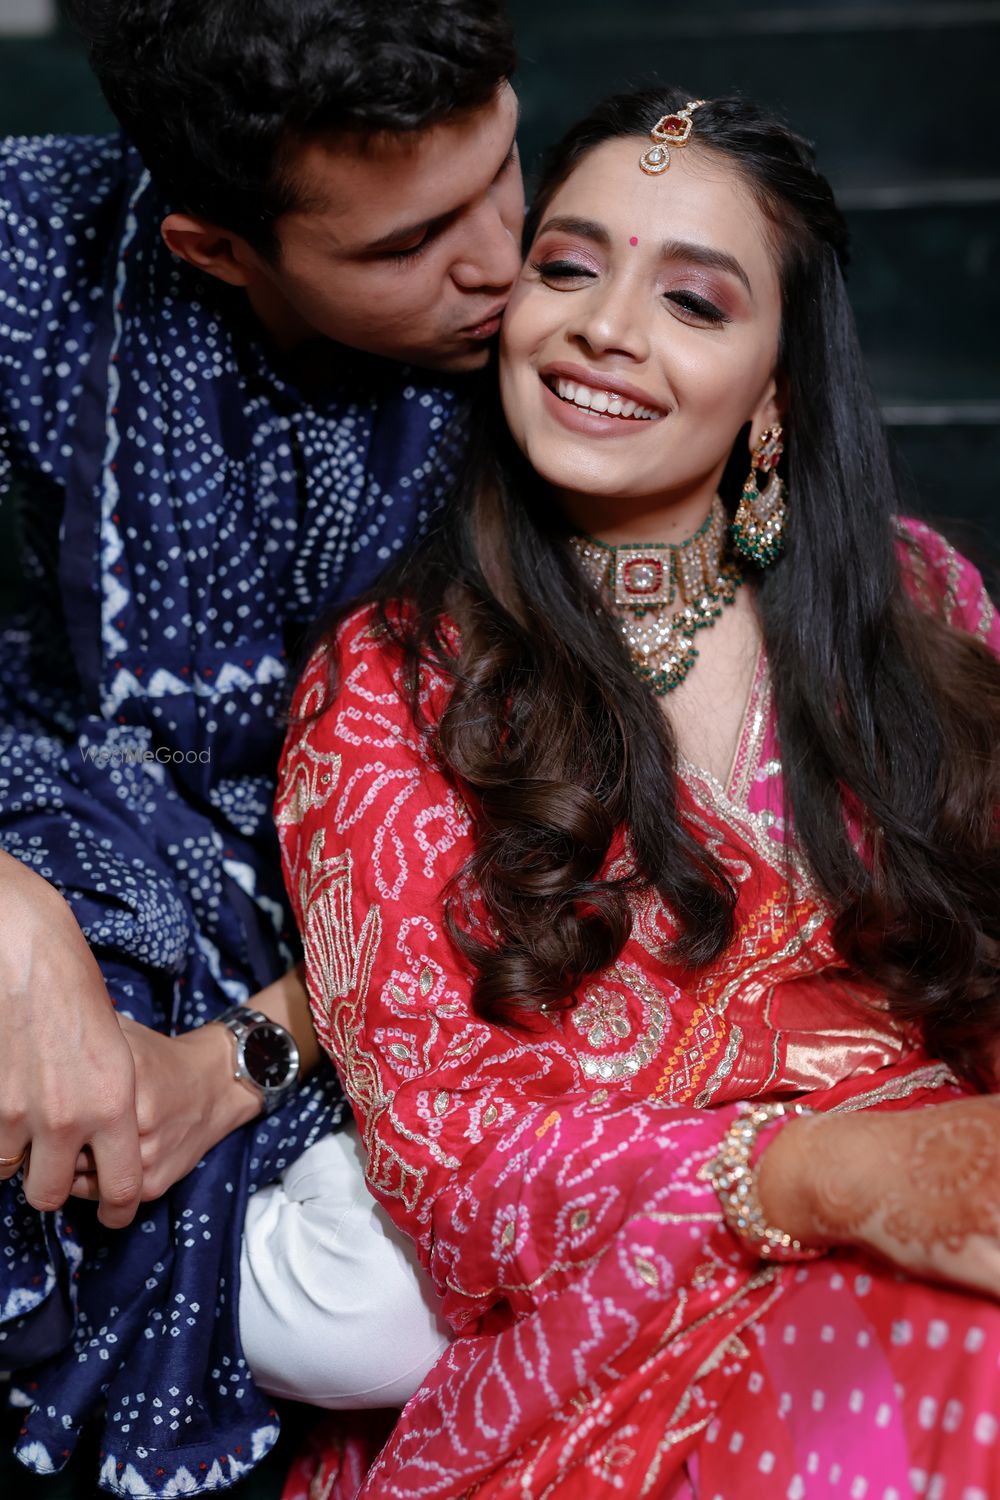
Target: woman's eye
[697,307]
[562,270]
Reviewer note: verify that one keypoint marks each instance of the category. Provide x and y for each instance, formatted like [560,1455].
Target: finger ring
[13,1161]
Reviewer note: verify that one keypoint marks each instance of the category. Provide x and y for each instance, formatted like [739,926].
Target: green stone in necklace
[661,594]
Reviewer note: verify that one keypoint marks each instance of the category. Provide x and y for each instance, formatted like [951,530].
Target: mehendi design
[948,1182]
[954,1187]
[845,1191]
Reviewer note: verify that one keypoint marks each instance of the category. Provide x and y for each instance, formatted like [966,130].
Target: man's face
[407,245]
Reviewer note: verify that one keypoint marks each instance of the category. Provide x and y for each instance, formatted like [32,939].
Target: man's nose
[490,257]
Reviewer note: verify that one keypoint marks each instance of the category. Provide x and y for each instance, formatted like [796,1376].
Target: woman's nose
[613,318]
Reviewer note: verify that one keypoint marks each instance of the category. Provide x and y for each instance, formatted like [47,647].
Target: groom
[235,349]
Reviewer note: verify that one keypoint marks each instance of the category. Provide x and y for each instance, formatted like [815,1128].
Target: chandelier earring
[758,530]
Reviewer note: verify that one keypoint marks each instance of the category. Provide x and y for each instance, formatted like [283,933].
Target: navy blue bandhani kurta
[187,511]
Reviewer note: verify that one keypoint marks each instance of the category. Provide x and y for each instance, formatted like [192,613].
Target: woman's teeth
[610,403]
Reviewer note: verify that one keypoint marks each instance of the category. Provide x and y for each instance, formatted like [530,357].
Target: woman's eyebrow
[587,229]
[704,255]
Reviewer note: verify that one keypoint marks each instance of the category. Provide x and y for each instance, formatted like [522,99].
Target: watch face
[267,1056]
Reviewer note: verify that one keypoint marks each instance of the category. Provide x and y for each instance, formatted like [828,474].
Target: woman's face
[642,334]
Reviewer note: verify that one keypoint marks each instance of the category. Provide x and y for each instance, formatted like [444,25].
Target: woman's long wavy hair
[558,746]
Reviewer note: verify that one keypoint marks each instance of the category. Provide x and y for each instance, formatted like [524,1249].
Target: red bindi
[633,240]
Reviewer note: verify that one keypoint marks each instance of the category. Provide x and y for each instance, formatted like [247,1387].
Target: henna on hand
[923,1181]
[953,1185]
[846,1190]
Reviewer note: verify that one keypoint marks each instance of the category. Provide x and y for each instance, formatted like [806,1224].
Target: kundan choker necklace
[662,593]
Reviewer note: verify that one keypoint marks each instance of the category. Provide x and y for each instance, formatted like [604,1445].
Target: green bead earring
[758,530]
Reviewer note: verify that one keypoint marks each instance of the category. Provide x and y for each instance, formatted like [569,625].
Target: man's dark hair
[214,92]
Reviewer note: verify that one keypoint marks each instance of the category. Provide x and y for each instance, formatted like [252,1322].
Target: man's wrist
[232,1104]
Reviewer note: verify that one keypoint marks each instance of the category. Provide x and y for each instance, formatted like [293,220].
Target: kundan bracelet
[734,1178]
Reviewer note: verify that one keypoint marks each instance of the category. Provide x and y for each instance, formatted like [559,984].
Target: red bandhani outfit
[614,1337]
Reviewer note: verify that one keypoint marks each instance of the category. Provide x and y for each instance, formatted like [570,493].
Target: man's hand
[67,1075]
[187,1098]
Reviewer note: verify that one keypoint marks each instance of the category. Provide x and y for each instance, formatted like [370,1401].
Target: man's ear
[207,247]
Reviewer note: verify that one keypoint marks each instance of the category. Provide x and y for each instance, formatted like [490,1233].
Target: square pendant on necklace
[643,576]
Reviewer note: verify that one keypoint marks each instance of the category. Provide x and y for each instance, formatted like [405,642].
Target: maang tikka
[669,130]
[758,529]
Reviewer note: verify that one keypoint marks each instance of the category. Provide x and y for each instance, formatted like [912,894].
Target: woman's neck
[638,520]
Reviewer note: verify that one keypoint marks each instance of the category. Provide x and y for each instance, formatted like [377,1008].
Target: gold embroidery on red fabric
[601,1003]
[931,1076]
[602,1016]
[310,775]
[688,1063]
[339,962]
[783,857]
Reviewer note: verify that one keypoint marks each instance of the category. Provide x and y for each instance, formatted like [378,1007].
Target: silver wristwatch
[267,1059]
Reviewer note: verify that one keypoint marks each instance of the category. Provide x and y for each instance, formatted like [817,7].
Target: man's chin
[476,356]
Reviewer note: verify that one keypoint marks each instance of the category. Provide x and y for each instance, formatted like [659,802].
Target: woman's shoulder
[361,671]
[359,636]
[357,732]
[943,582]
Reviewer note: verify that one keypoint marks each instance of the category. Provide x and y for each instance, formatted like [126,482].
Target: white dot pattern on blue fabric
[187,512]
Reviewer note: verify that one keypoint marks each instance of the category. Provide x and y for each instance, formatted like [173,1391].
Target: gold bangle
[735,1181]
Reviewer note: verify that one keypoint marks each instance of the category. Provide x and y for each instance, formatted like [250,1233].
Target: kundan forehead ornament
[670,130]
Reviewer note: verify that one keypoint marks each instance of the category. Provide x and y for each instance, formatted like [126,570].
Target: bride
[641,830]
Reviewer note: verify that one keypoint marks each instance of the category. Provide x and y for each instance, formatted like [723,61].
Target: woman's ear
[207,247]
[771,410]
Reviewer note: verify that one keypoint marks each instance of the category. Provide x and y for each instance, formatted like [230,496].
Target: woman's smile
[596,391]
[600,408]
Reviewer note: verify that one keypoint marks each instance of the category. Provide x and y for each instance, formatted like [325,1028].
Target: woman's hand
[921,1187]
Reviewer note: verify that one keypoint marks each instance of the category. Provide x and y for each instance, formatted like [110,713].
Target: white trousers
[334,1308]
